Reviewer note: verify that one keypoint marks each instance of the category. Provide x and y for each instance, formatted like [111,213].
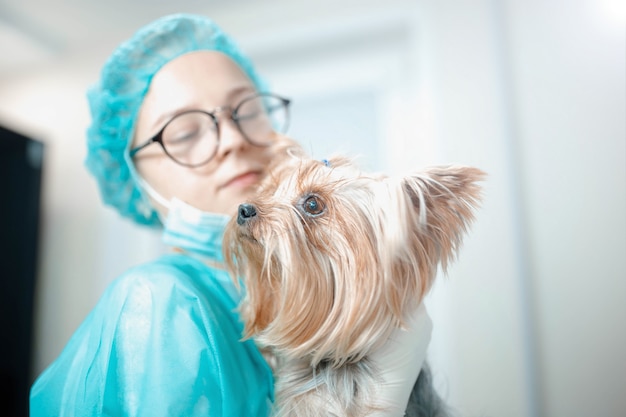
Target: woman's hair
[115,101]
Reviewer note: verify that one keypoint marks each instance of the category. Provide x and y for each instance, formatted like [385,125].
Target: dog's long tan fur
[332,259]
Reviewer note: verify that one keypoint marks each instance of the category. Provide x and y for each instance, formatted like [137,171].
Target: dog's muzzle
[245,213]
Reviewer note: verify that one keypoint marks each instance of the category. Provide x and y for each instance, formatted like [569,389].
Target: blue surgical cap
[115,101]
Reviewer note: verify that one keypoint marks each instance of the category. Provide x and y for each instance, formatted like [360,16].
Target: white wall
[529,320]
[568,73]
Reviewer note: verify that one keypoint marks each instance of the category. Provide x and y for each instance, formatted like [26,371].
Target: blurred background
[531,319]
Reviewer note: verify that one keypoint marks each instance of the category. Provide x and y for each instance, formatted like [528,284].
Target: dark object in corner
[20,185]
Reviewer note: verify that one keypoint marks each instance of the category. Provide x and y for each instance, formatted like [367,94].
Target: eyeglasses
[191,138]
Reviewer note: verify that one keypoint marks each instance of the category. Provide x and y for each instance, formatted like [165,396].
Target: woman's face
[201,80]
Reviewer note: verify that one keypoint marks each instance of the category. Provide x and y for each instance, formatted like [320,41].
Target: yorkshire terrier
[332,259]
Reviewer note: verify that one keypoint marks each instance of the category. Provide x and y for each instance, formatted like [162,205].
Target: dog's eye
[313,206]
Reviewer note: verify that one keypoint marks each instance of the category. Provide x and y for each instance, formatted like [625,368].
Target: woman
[182,132]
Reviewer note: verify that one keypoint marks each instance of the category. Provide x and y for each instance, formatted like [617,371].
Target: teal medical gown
[164,340]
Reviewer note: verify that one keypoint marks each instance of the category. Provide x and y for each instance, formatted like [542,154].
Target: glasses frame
[158,138]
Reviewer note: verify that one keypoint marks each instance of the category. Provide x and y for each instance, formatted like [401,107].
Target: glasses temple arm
[143,145]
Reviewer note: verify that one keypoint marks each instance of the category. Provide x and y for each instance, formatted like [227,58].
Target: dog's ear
[443,201]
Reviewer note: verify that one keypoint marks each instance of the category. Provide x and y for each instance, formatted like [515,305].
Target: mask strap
[153,193]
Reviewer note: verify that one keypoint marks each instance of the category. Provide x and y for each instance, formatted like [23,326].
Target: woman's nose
[231,137]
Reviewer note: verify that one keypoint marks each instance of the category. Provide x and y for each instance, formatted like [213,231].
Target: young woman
[182,131]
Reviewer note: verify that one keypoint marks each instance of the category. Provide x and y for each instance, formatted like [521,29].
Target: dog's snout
[245,213]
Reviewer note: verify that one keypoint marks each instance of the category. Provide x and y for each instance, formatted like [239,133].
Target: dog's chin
[249,238]
[244,233]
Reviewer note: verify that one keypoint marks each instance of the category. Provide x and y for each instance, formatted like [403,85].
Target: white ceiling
[36,31]
[37,34]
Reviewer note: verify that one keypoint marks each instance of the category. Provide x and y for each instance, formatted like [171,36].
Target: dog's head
[332,257]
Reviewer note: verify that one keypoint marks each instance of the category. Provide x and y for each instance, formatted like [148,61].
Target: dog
[332,258]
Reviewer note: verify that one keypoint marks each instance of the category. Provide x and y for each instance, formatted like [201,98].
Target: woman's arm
[157,344]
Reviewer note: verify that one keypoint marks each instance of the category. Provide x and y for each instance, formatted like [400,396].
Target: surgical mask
[190,228]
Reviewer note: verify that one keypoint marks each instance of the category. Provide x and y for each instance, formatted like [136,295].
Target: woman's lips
[244,180]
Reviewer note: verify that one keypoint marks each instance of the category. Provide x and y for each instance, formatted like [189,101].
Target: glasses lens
[191,138]
[262,116]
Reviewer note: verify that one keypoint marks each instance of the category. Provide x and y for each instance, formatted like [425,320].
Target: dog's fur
[332,258]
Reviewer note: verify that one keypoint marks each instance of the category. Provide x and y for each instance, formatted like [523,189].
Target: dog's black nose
[246,212]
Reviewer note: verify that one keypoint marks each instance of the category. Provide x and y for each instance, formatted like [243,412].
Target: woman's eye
[188,128]
[182,137]
[313,205]
[249,116]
